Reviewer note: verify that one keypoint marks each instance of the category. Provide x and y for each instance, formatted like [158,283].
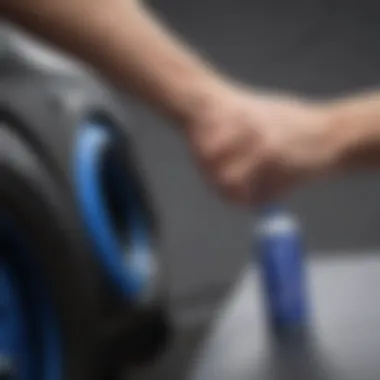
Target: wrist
[339,137]
[355,134]
[188,98]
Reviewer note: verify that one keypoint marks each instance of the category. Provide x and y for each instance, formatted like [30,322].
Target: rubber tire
[28,192]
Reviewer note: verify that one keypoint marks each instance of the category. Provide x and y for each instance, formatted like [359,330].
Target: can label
[282,270]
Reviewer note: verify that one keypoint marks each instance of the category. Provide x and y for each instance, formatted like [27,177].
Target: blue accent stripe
[14,339]
[29,327]
[120,262]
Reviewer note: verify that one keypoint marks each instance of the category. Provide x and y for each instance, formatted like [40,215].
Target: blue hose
[128,266]
[30,341]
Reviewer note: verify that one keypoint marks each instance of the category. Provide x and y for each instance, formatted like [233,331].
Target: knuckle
[270,149]
[212,152]
[218,148]
[231,179]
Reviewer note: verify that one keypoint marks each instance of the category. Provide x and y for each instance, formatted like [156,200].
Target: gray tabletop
[343,341]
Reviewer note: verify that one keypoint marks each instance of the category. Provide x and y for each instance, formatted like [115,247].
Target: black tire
[36,203]
[132,333]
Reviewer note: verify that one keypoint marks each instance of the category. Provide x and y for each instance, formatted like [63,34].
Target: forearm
[355,125]
[126,43]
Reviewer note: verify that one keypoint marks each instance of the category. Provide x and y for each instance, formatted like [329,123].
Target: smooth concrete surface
[344,340]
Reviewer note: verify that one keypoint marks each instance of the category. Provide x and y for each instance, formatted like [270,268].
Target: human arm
[355,125]
[127,43]
[252,147]
[301,141]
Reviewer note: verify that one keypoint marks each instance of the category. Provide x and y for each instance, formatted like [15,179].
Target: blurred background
[318,48]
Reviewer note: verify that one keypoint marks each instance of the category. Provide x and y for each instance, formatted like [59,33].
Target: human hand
[255,147]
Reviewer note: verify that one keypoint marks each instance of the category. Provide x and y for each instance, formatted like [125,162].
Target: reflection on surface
[343,342]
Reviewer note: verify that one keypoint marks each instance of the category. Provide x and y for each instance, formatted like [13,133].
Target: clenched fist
[254,147]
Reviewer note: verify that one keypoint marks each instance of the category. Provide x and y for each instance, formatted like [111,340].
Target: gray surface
[19,50]
[345,333]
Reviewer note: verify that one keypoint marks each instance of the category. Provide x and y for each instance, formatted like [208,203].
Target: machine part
[30,342]
[52,297]
[113,212]
[110,302]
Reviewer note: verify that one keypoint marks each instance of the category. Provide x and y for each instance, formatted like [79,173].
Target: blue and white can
[282,266]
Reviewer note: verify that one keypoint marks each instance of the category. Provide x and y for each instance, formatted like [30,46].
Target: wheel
[115,212]
[30,337]
[49,298]
[121,226]
[68,182]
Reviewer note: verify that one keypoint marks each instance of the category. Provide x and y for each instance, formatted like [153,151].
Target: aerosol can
[281,258]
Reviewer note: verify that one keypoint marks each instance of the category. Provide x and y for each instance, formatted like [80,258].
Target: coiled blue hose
[128,266]
[30,341]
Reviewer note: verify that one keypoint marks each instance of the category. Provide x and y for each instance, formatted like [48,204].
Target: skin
[252,146]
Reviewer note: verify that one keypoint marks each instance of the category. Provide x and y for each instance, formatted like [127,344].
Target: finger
[237,176]
[277,182]
[231,143]
[261,172]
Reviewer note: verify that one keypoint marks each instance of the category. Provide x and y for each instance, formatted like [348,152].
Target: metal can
[282,268]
